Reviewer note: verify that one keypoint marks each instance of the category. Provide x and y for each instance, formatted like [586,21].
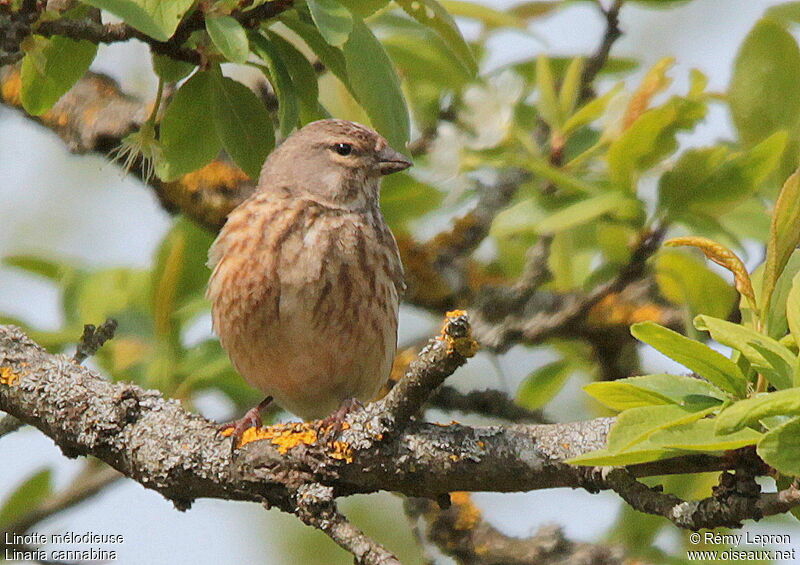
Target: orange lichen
[11,87]
[464,345]
[284,436]
[8,377]
[468,516]
[289,436]
[341,450]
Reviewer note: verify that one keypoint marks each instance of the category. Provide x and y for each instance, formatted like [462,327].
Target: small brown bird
[306,274]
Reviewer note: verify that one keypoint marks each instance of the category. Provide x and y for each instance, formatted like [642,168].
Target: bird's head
[335,162]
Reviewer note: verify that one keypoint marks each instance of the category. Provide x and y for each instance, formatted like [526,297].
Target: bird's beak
[392,161]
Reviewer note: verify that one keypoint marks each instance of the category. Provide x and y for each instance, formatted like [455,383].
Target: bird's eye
[343,148]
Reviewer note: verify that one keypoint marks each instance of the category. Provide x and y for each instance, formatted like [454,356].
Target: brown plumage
[306,274]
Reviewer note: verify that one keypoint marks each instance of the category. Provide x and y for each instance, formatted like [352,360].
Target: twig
[462,533]
[437,361]
[736,499]
[598,60]
[315,507]
[489,403]
[90,30]
[543,318]
[93,339]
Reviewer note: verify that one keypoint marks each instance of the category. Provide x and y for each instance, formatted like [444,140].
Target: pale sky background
[57,203]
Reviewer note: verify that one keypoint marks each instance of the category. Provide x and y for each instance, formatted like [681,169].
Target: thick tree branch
[157,443]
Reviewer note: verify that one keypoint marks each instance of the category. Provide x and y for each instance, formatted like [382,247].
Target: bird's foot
[236,428]
[336,422]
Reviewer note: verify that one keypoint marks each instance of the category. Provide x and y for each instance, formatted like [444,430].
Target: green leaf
[533,9]
[169,69]
[788,12]
[430,13]
[230,38]
[403,198]
[693,355]
[590,111]
[180,274]
[793,310]
[775,313]
[780,448]
[710,181]
[650,138]
[376,86]
[756,347]
[364,8]
[784,235]
[636,425]
[642,453]
[242,123]
[51,69]
[304,77]
[543,384]
[489,17]
[27,497]
[187,141]
[687,281]
[547,104]
[280,78]
[749,411]
[118,293]
[331,57]
[332,19]
[156,18]
[648,390]
[622,396]
[585,211]
[51,269]
[764,93]
[570,87]
[517,219]
[702,436]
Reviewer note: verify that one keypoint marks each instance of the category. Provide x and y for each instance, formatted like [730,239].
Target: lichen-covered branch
[157,443]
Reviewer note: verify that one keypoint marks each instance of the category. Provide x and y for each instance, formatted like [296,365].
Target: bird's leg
[251,419]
